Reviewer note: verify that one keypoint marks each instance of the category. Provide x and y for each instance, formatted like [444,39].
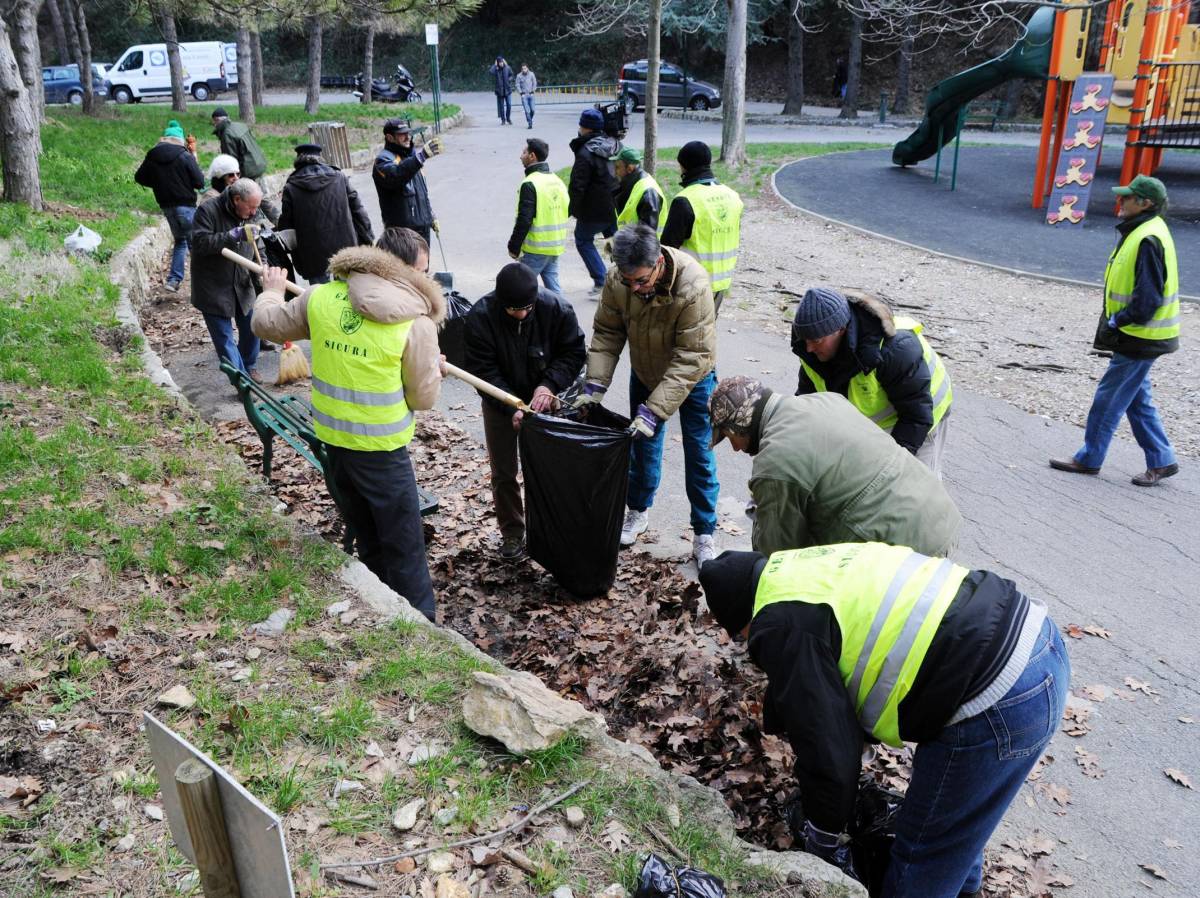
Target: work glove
[1112,322]
[592,394]
[238,234]
[543,400]
[428,150]
[829,847]
[437,229]
[645,423]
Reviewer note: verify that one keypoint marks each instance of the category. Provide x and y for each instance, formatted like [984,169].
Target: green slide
[1028,58]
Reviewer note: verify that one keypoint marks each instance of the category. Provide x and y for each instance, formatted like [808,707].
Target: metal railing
[1177,122]
[552,94]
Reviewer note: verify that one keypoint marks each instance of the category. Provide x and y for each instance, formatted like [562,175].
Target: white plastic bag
[83,240]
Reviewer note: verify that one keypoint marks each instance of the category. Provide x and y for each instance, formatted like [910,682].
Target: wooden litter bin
[334,143]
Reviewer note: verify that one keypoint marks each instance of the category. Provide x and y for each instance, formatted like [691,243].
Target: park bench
[290,419]
[989,112]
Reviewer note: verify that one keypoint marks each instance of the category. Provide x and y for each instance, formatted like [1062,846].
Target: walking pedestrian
[502,87]
[400,181]
[593,183]
[527,342]
[375,361]
[638,195]
[237,141]
[1140,322]
[526,87]
[539,235]
[174,175]
[657,300]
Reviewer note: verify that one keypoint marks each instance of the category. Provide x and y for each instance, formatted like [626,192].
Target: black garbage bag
[576,474]
[452,336]
[659,879]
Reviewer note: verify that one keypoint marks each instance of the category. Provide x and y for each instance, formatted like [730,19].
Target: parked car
[142,71]
[674,88]
[62,85]
[230,64]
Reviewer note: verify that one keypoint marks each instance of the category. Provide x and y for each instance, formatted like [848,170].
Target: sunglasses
[528,308]
[642,281]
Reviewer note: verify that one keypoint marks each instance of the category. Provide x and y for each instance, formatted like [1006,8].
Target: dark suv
[674,88]
[62,84]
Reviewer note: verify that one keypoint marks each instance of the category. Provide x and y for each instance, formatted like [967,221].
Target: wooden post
[200,801]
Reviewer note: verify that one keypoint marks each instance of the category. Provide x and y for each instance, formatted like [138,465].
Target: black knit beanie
[821,312]
[730,582]
[516,286]
[694,154]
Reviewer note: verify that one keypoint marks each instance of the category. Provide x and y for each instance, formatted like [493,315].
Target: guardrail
[552,94]
[1176,119]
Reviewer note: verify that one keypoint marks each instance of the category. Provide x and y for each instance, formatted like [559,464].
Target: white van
[230,64]
[142,71]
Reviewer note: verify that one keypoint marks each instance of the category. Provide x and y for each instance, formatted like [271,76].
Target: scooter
[402,89]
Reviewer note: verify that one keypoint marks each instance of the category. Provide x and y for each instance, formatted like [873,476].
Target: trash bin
[335,144]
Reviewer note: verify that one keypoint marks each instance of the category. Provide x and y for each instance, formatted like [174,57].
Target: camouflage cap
[731,406]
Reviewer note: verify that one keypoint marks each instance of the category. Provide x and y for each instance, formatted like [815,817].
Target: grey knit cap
[731,406]
[820,313]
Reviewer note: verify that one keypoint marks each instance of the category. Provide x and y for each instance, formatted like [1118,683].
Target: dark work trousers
[380,503]
[502,455]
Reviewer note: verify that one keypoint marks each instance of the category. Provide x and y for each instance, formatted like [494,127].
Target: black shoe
[1069,464]
[512,549]
[1153,475]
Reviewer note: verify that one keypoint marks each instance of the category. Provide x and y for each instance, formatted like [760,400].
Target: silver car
[675,89]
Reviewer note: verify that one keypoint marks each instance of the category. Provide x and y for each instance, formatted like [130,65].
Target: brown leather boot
[1153,475]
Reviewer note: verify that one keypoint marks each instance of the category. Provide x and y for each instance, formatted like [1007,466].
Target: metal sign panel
[431,34]
[255,832]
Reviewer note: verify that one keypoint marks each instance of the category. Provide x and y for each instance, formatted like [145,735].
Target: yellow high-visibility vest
[548,234]
[629,214]
[1121,272]
[717,231]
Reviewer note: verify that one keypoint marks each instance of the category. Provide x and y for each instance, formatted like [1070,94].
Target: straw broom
[293,365]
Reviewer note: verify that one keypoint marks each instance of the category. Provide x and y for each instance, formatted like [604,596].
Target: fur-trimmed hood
[875,306]
[384,289]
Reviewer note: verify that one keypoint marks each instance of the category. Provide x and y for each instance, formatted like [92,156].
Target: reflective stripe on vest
[548,234]
[716,231]
[888,602]
[868,396]
[629,214]
[358,386]
[1121,273]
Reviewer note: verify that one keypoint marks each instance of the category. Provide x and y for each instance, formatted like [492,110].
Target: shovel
[444,277]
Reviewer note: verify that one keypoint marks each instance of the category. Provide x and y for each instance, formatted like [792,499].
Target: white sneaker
[704,549]
[635,525]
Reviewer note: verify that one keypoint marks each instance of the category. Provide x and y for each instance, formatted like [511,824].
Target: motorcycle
[402,89]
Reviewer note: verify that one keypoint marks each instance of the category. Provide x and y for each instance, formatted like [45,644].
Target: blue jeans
[585,236]
[699,463]
[1125,390]
[529,106]
[179,220]
[243,353]
[546,266]
[963,782]
[504,107]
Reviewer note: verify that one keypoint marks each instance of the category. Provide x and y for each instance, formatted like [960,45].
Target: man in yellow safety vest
[539,235]
[1140,322]
[851,343]
[639,198]
[375,361]
[872,640]
[705,219]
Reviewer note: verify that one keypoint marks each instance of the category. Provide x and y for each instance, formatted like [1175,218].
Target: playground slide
[1028,58]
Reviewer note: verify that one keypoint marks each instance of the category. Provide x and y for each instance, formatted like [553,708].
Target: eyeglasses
[528,308]
[645,281]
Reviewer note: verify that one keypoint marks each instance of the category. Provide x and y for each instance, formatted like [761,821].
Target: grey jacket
[526,82]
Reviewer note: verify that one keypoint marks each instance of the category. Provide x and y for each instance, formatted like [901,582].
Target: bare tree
[653,73]
[312,93]
[19,130]
[794,103]
[258,84]
[245,73]
[853,68]
[733,100]
[60,33]
[368,67]
[166,24]
[76,11]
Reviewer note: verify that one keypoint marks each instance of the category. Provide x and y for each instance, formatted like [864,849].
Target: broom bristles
[292,365]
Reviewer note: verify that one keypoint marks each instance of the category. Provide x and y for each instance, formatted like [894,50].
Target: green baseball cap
[1146,187]
[630,155]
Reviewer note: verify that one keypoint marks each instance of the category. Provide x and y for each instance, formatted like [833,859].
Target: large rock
[517,710]
[817,878]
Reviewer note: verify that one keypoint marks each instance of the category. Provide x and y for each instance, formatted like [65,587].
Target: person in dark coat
[403,196]
[502,87]
[592,188]
[222,290]
[527,342]
[325,212]
[174,176]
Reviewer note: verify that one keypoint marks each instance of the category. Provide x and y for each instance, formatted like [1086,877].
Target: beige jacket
[672,336]
[382,289]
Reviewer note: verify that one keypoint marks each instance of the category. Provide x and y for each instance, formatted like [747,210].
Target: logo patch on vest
[350,321]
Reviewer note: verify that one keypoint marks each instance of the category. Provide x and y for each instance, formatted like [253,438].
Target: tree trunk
[794,104]
[653,61]
[904,71]
[68,17]
[60,33]
[368,69]
[171,37]
[733,100]
[28,50]
[312,95]
[259,83]
[85,56]
[245,86]
[853,69]
[19,140]
[1012,98]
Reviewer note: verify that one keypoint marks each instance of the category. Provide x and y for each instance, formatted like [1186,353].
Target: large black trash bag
[452,336]
[659,879]
[576,474]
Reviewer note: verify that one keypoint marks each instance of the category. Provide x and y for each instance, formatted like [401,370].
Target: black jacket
[218,285]
[403,196]
[326,213]
[526,208]
[873,343]
[172,173]
[680,217]
[797,645]
[1150,279]
[502,79]
[648,207]
[519,356]
[592,180]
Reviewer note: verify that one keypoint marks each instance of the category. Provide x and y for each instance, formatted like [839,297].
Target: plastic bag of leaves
[452,336]
[659,879]
[576,473]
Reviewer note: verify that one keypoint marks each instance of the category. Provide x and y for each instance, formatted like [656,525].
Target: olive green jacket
[824,474]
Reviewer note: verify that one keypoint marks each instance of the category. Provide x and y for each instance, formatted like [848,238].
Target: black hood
[165,153]
[313,177]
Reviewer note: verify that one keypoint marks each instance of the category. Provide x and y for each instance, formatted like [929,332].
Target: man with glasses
[658,300]
[526,341]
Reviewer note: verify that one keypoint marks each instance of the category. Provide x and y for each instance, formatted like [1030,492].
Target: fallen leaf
[1060,795]
[1075,631]
[19,791]
[1093,630]
[615,837]
[1139,686]
[1097,692]
[1172,843]
[15,641]
[1179,776]
[1187,720]
[1088,762]
[1154,871]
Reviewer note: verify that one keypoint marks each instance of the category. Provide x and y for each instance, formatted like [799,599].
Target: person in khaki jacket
[375,361]
[658,300]
[824,473]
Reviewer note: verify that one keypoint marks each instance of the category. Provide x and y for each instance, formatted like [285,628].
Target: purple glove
[592,394]
[236,234]
[645,423]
